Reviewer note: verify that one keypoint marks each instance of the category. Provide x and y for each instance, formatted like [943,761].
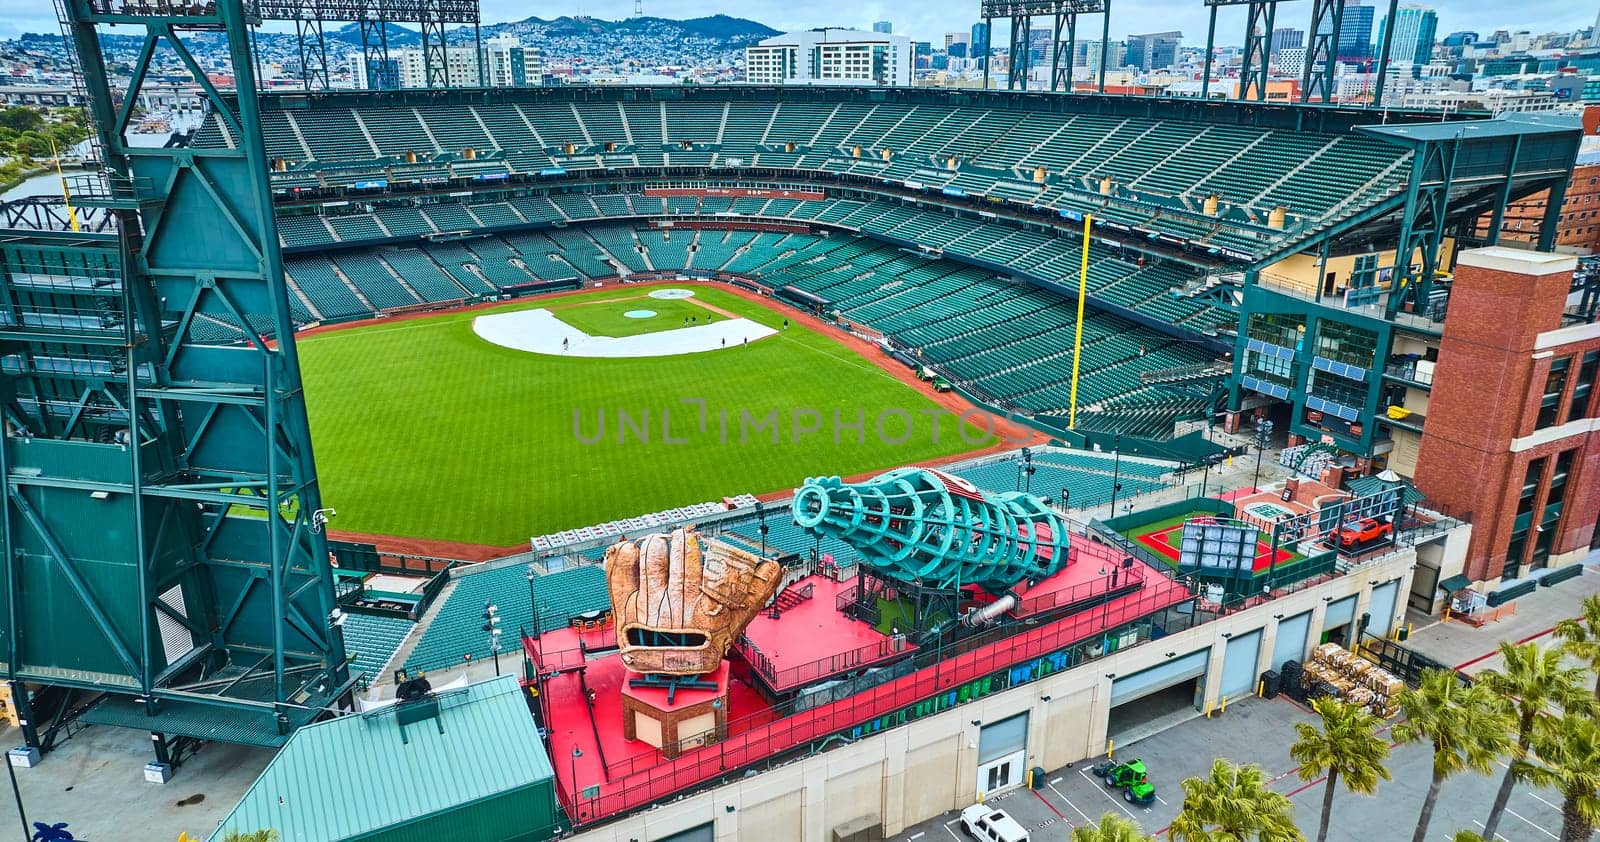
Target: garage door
[704,833]
[1239,664]
[1381,607]
[1140,684]
[1290,643]
[1007,736]
[1340,612]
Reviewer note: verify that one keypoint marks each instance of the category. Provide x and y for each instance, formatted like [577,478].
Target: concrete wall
[921,769]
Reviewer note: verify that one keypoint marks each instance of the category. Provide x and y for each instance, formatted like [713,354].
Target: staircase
[1184,374]
[790,597]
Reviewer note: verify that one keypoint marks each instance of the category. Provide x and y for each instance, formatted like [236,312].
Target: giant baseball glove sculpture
[681,600]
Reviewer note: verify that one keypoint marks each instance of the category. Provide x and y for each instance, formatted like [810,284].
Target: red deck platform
[619,775]
[1095,572]
[812,641]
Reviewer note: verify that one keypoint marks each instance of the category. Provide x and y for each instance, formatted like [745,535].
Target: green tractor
[1128,777]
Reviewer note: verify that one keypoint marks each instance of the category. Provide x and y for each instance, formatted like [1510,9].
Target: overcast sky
[930,19]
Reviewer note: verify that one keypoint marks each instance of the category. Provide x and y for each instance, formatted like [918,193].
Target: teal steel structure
[925,527]
[162,521]
[1326,356]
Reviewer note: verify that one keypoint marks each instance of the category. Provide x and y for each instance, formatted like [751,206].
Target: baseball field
[489,426]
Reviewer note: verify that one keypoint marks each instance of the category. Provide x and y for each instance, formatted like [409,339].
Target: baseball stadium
[311,420]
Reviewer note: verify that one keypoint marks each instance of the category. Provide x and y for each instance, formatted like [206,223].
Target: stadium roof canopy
[1509,125]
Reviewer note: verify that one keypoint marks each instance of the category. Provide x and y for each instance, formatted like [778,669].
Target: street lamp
[491,626]
[1263,435]
[576,753]
[533,604]
[1116,472]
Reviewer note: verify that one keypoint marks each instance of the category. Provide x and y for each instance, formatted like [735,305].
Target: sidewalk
[1471,649]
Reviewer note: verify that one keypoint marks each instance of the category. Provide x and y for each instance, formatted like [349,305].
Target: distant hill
[722,31]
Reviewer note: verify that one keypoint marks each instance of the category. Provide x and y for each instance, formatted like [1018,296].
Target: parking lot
[1260,731]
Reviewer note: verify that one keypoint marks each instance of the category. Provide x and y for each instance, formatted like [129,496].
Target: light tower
[166,516]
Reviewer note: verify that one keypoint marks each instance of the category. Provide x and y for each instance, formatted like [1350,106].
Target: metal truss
[1064,41]
[160,494]
[373,16]
[1017,67]
[1322,51]
[1257,46]
[1423,225]
[447,11]
[1064,45]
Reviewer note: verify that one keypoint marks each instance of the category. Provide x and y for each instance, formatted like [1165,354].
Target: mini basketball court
[1165,537]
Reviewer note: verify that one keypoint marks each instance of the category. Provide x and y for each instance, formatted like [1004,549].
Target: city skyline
[930,21]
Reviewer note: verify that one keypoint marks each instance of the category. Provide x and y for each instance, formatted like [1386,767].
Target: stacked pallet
[8,711]
[1353,679]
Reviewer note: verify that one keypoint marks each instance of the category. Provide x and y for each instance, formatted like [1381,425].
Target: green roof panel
[359,773]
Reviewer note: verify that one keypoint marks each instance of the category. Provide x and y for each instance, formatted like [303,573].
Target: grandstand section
[1009,341]
[1140,165]
[1203,212]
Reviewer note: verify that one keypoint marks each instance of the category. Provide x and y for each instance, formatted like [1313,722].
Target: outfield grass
[424,430]
[605,318]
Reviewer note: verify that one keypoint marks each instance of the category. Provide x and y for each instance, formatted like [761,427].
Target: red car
[1362,531]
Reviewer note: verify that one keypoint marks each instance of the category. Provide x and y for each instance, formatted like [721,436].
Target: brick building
[1578,229]
[1512,432]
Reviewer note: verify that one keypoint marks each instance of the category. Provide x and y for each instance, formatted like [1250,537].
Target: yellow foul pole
[66,195]
[1077,341]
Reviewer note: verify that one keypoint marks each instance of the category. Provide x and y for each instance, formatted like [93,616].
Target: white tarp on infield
[540,332]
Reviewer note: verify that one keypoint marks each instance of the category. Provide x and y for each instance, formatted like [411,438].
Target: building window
[1555,383]
[1346,344]
[1514,552]
[1588,370]
[1280,329]
[1550,518]
[1530,487]
[1558,481]
[1517,547]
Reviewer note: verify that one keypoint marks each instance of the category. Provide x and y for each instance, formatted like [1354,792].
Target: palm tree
[1566,758]
[1465,726]
[1234,803]
[267,835]
[1466,836]
[1347,747]
[1112,828]
[1532,681]
[1581,637]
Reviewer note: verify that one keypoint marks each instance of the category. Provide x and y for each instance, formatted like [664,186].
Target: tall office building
[506,63]
[1414,31]
[1285,38]
[830,56]
[461,67]
[1153,51]
[1355,34]
[1087,54]
[883,26]
[1039,41]
[509,64]
[979,45]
